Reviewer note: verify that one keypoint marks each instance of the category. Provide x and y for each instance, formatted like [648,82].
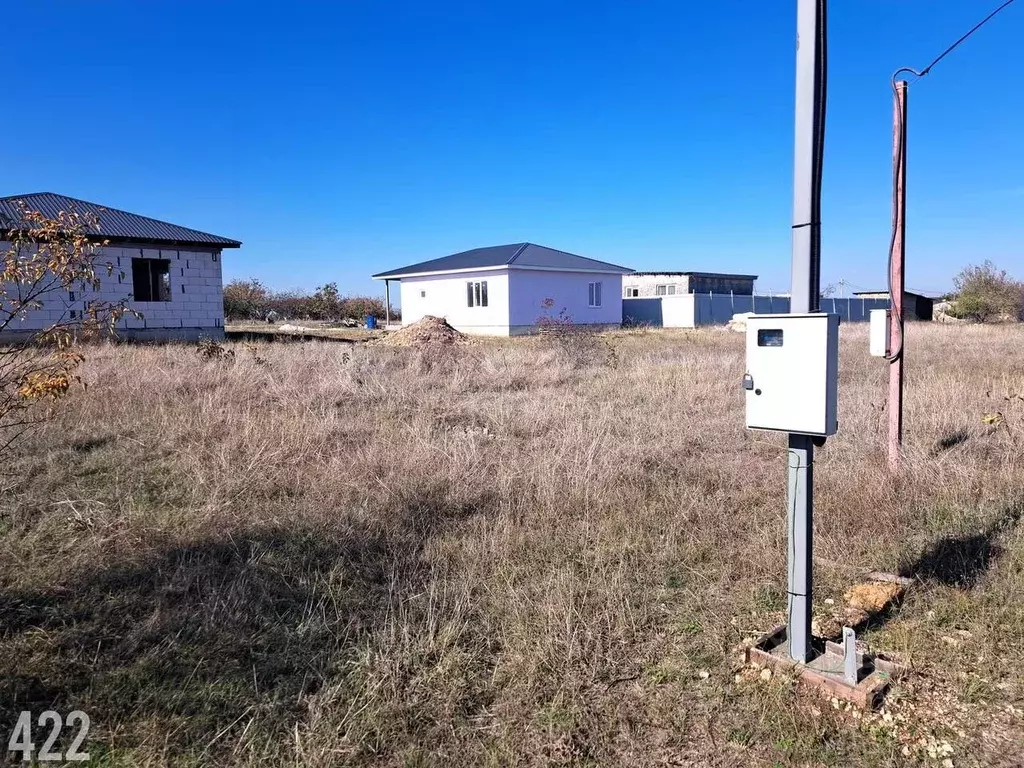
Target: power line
[901,147]
[949,50]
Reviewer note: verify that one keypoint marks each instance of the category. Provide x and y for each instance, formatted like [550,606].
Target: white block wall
[569,292]
[196,306]
[647,285]
[445,296]
[678,311]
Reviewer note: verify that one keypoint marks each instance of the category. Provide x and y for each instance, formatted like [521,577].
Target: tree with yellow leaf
[43,260]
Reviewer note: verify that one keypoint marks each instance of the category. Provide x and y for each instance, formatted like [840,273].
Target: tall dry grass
[502,555]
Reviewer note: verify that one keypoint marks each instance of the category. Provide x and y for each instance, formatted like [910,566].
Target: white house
[170,274]
[505,290]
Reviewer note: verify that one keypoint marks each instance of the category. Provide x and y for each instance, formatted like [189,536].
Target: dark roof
[696,274]
[516,255]
[885,292]
[115,225]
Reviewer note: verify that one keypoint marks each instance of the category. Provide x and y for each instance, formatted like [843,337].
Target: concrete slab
[825,670]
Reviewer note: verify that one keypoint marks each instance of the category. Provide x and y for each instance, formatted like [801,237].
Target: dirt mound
[429,330]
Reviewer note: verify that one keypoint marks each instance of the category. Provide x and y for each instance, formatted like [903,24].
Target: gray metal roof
[726,275]
[115,225]
[515,255]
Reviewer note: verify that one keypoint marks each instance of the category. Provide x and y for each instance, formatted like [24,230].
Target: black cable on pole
[901,142]
[901,132]
[821,78]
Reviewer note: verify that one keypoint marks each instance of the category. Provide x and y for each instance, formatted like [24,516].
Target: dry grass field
[504,554]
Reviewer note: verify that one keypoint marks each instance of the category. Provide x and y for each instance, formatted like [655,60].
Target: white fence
[690,310]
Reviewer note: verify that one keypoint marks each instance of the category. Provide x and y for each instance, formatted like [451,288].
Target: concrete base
[825,670]
[137,334]
[171,334]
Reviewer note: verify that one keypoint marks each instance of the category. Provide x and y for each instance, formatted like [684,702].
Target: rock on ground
[739,322]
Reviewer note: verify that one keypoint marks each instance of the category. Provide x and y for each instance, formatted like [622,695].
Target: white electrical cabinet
[878,333]
[792,373]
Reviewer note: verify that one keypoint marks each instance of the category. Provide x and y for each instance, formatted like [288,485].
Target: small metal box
[792,373]
[878,332]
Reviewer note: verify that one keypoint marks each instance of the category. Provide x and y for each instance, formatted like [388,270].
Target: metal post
[806,293]
[849,656]
[896,336]
[801,545]
[387,303]
[808,156]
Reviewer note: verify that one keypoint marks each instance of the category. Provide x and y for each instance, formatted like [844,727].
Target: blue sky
[340,139]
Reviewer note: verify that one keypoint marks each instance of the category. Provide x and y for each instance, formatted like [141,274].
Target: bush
[576,345]
[984,293]
[251,300]
[245,299]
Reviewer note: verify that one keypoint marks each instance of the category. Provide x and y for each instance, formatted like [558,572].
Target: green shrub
[984,293]
[251,300]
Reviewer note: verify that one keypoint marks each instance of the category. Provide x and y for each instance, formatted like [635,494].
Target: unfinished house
[169,274]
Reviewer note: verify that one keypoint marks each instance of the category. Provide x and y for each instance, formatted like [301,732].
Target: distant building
[647,284]
[170,275]
[915,306]
[504,290]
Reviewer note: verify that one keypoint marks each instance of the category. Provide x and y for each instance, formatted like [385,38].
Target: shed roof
[514,255]
[114,225]
[885,293]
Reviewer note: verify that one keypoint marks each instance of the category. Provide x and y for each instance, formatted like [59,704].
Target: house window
[671,290]
[476,294]
[423,294]
[595,295]
[660,290]
[151,279]
[632,292]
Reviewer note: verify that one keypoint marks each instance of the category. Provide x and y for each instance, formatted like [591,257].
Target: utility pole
[896,278]
[809,150]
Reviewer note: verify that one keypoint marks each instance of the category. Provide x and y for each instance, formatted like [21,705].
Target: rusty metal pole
[896,280]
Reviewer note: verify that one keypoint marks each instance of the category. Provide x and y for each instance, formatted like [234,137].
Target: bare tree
[44,261]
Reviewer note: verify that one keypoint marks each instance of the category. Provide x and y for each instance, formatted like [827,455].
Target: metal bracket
[849,656]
